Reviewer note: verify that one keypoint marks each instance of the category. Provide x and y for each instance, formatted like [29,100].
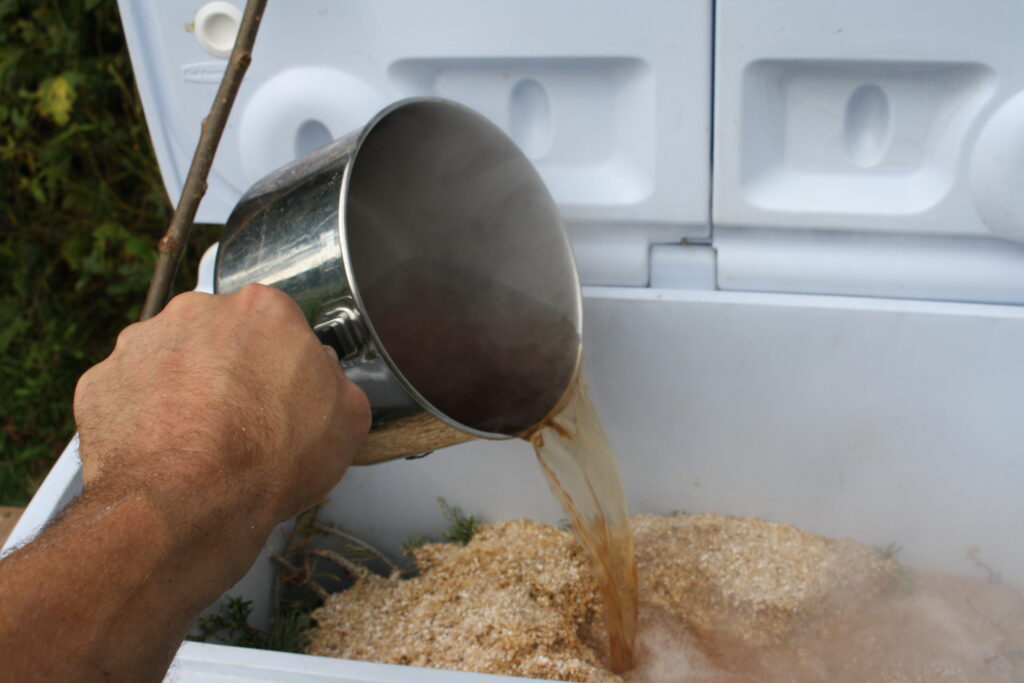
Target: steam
[666,651]
[463,267]
[950,628]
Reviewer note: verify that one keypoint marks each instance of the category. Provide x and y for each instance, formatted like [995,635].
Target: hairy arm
[207,426]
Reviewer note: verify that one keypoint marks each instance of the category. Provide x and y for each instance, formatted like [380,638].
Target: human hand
[226,405]
[207,425]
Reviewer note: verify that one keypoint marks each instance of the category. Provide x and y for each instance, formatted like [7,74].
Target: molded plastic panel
[870,116]
[610,100]
[891,151]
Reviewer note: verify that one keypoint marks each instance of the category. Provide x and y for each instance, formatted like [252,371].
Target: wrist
[125,577]
[210,522]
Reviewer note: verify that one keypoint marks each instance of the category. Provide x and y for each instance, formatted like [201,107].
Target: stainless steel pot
[426,250]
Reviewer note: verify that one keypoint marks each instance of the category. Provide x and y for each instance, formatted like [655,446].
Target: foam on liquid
[574,453]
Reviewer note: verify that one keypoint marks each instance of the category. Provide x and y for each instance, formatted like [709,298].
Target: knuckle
[81,391]
[84,388]
[264,296]
[257,292]
[186,301]
[126,336]
[357,405]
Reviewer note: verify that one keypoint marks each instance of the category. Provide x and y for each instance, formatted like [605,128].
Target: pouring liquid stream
[573,451]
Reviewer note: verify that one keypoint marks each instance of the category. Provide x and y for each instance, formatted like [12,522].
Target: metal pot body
[425,249]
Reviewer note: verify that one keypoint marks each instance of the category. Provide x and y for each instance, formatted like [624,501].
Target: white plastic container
[814,320]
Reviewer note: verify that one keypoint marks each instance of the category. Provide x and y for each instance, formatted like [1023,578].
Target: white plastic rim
[216,25]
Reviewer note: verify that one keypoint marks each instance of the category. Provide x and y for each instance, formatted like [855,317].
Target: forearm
[192,450]
[109,591]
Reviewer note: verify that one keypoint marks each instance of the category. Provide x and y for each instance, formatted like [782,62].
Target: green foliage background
[82,206]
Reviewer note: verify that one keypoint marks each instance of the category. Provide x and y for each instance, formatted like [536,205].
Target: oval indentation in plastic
[311,135]
[529,118]
[866,126]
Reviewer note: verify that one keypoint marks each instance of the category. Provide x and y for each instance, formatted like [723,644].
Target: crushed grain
[747,579]
[512,601]
[722,599]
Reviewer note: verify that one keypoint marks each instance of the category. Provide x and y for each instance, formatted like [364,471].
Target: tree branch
[354,570]
[172,246]
[334,531]
[302,575]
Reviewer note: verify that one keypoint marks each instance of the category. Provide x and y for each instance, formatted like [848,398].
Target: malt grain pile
[749,580]
[722,599]
[512,601]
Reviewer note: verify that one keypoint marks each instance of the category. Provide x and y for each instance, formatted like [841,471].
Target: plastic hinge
[683,266]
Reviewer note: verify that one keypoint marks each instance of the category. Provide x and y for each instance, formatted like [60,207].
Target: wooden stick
[172,246]
[302,574]
[334,531]
[354,570]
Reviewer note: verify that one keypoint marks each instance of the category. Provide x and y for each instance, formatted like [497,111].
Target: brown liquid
[573,451]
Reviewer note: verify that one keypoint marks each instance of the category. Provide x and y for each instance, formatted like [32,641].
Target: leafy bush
[82,206]
[229,625]
[461,527]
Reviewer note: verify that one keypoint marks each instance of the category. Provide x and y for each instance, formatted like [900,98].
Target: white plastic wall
[611,100]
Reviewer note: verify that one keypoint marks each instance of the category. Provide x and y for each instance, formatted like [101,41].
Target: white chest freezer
[800,227]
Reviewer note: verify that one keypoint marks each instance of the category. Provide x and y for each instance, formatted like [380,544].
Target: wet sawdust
[722,599]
